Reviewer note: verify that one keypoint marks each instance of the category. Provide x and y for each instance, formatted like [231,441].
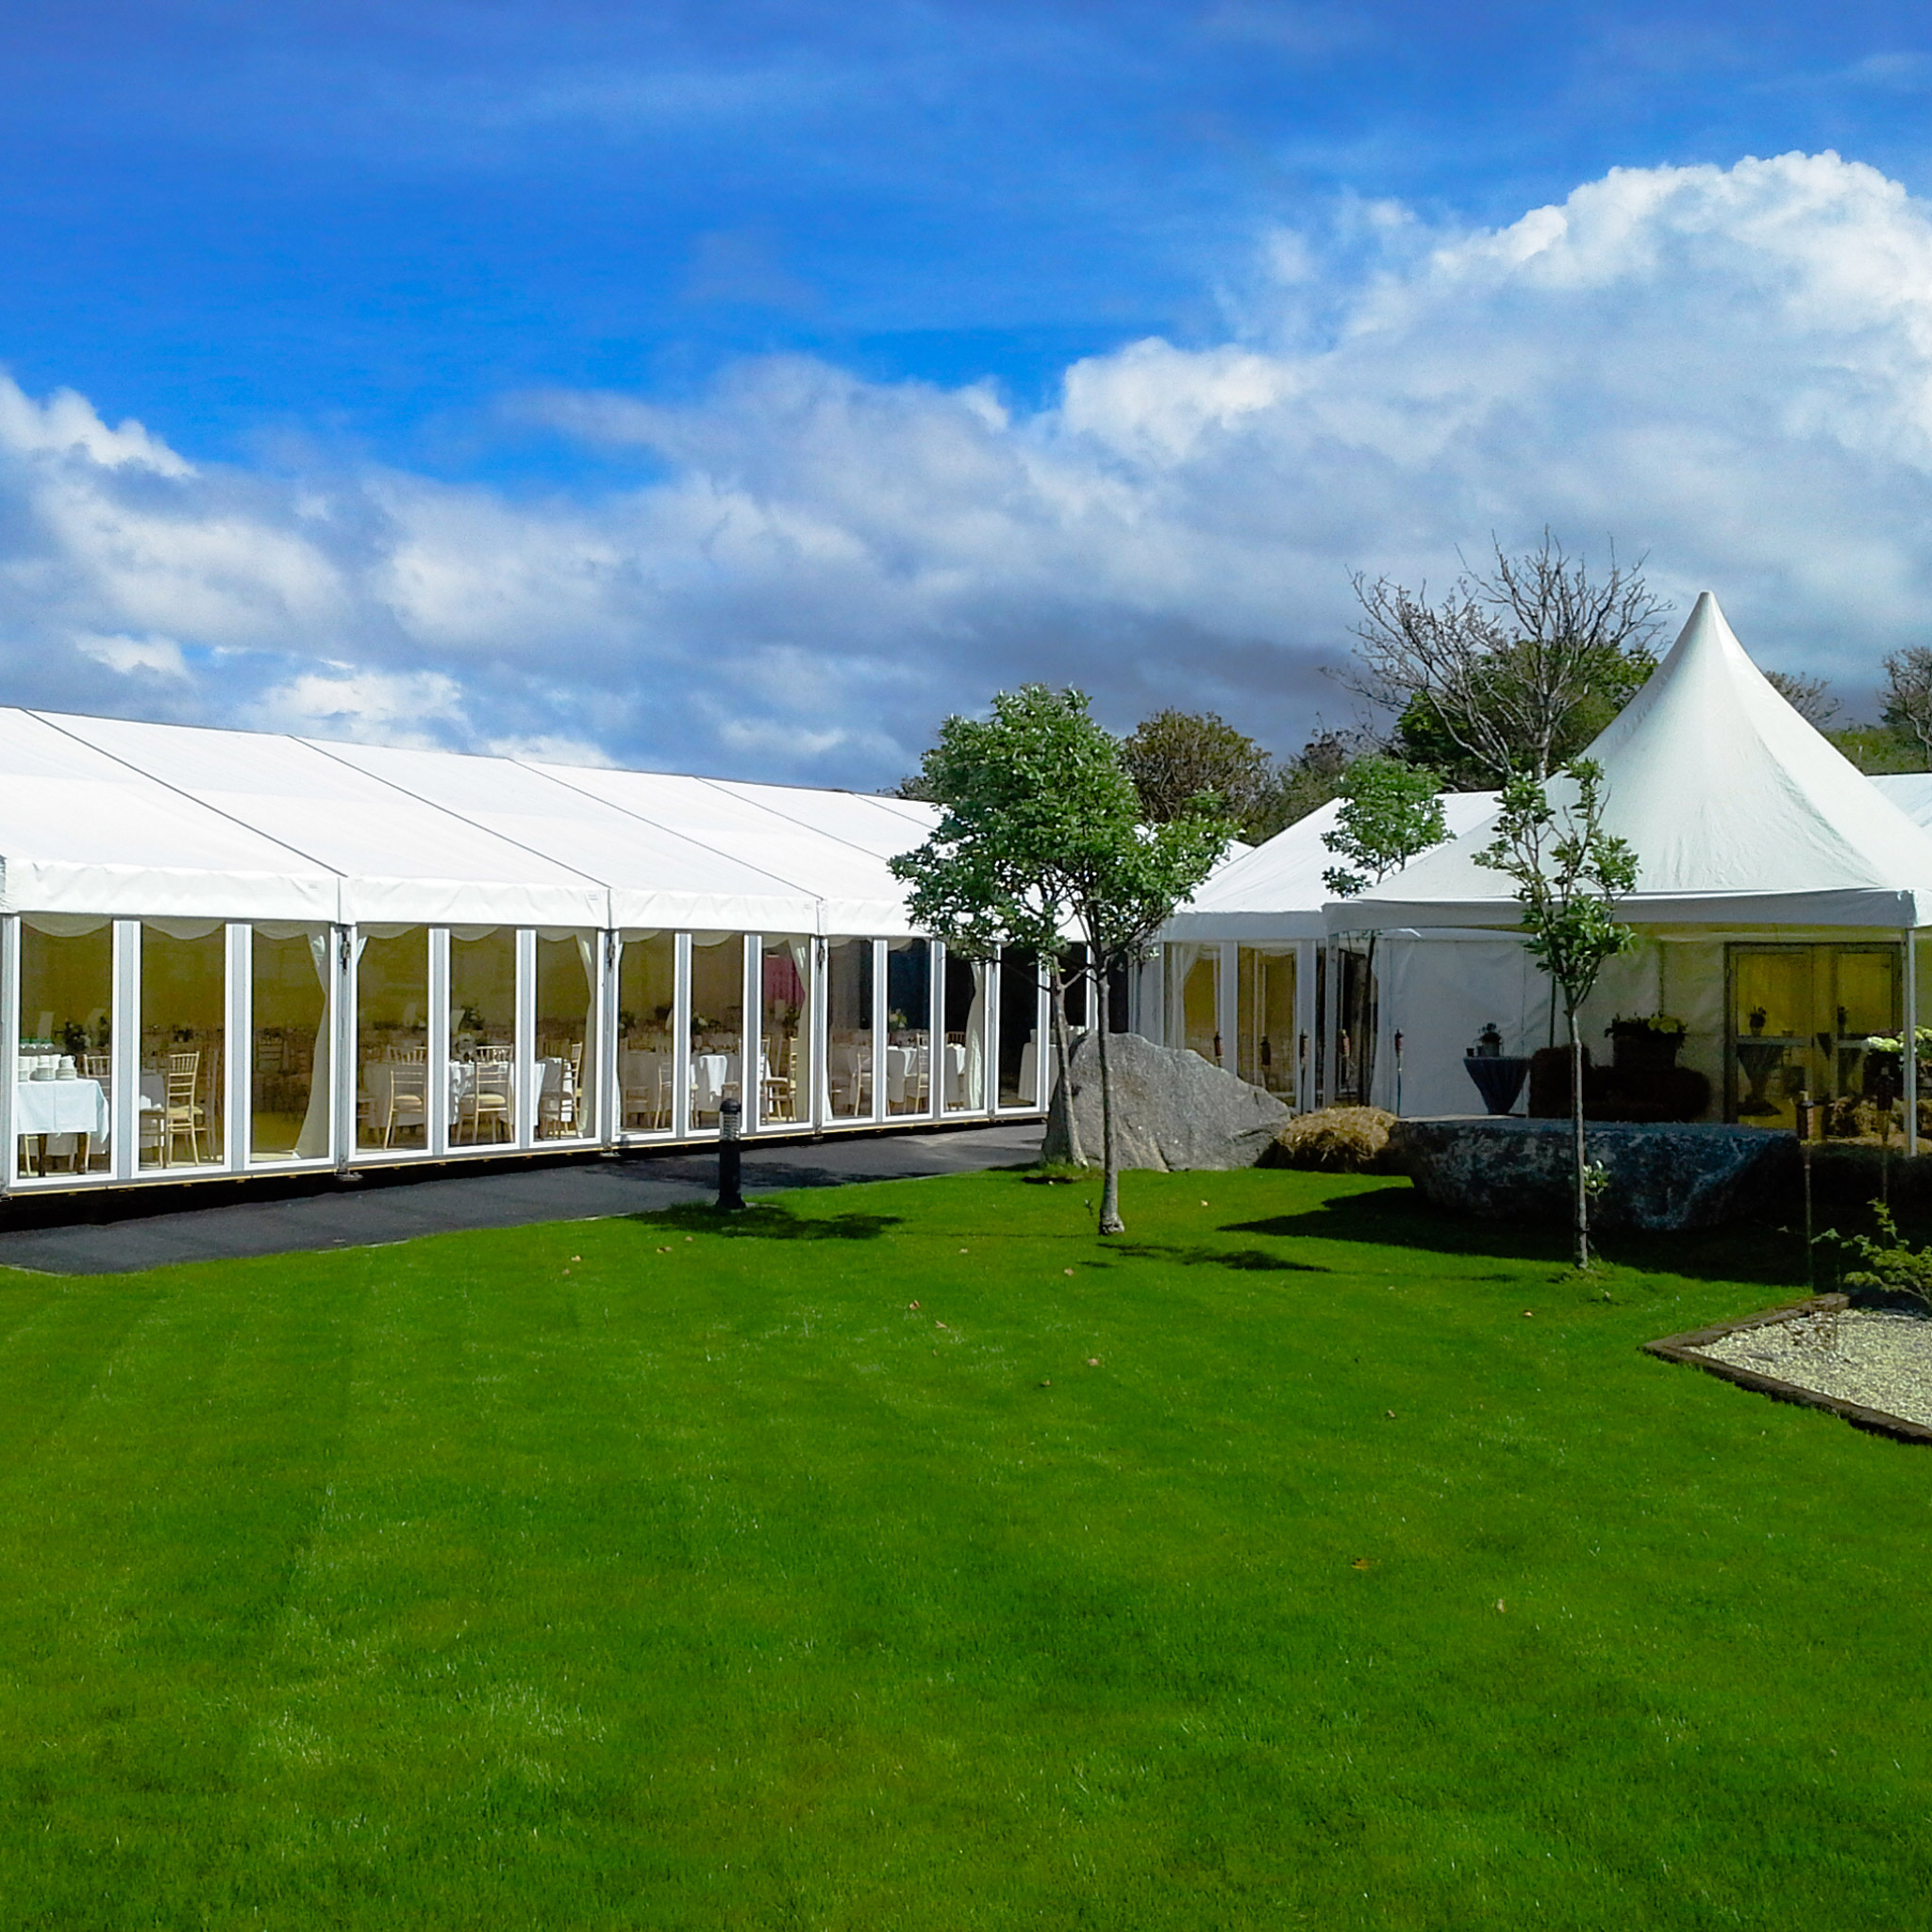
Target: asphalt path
[506,1197]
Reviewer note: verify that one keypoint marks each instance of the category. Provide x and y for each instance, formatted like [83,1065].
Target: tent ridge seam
[818,899]
[462,819]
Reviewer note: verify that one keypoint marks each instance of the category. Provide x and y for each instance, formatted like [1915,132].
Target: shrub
[1340,1139]
[1891,1265]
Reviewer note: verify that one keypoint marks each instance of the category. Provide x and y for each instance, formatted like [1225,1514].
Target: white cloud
[369,707]
[132,656]
[67,424]
[1730,368]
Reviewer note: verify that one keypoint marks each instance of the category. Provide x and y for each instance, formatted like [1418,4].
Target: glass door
[1816,1024]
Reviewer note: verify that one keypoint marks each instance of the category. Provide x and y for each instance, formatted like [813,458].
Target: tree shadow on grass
[1757,1250]
[767,1221]
[1255,1260]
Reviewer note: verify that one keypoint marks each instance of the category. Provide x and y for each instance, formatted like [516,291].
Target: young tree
[1041,825]
[986,877]
[1570,876]
[1391,813]
[1125,880]
[1515,670]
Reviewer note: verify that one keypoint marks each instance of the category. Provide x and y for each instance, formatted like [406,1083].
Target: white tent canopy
[1275,891]
[1739,812]
[90,833]
[654,876]
[806,844]
[1911,792]
[110,817]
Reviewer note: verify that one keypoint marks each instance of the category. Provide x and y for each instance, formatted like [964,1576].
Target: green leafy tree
[987,878]
[1177,757]
[1391,813]
[1306,782]
[1877,749]
[1570,876]
[1127,878]
[1041,826]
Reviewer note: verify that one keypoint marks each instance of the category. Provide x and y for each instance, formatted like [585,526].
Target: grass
[660,1573]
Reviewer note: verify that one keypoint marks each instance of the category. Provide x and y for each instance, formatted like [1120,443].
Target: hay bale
[1338,1140]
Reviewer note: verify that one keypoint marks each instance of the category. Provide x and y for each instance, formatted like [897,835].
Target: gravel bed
[1878,1357]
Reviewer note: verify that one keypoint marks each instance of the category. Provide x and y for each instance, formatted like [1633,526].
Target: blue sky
[742,387]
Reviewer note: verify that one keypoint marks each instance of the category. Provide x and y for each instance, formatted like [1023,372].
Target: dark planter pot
[1637,1050]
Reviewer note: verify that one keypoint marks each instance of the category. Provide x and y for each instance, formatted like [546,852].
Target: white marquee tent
[226,950]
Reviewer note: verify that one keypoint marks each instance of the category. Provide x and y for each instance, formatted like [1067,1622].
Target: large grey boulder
[1171,1110]
[1662,1177]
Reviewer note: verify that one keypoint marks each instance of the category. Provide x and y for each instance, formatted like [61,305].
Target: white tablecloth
[710,1075]
[904,1069]
[643,1073]
[1029,1073]
[956,1094]
[60,1107]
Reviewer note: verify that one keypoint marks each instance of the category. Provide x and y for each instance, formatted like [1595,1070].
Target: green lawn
[703,1581]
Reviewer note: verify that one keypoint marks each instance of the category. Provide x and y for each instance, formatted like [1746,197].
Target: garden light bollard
[730,1153]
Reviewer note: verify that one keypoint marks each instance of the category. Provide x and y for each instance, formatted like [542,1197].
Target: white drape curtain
[185,928]
[1181,964]
[976,1041]
[311,1144]
[62,925]
[800,950]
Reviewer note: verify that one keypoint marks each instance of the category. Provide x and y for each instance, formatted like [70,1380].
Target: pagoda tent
[1778,892]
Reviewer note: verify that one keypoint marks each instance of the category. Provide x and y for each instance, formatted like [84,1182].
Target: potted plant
[1645,1042]
[1758,1017]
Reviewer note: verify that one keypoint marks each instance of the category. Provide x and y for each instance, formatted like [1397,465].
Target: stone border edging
[1683,1348]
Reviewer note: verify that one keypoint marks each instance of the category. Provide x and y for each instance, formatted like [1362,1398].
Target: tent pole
[1911,1042]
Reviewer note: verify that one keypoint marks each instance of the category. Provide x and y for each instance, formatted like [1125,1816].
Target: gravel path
[1879,1358]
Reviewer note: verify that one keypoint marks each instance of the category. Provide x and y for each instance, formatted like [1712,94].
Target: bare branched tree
[1502,668]
[1810,697]
[1907,707]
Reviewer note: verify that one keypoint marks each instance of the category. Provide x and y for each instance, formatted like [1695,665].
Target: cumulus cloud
[157,657]
[369,707]
[1730,368]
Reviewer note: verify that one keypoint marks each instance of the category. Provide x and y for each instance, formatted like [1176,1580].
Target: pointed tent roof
[1739,812]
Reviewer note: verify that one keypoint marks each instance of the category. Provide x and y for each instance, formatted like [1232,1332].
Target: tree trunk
[1110,1221]
[1063,1091]
[1577,1164]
